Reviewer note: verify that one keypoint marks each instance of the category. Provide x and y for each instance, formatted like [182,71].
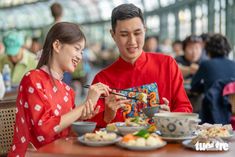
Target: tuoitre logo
[218,146]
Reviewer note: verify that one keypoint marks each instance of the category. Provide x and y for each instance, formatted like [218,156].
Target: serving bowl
[176,124]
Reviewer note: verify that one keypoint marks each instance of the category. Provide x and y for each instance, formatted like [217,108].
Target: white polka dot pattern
[40,138]
[39,86]
[37,107]
[40,122]
[26,105]
[31,90]
[23,139]
[65,98]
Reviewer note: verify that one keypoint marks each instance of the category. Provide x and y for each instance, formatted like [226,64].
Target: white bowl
[123,129]
[176,124]
[81,127]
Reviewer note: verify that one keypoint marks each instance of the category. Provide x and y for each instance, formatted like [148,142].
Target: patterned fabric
[134,108]
[40,105]
[147,69]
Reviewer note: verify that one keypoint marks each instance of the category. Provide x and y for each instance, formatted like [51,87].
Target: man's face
[15,59]
[129,36]
[193,52]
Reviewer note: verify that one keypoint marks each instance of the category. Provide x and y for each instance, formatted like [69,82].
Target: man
[57,13]
[151,44]
[193,56]
[136,68]
[19,59]
[177,48]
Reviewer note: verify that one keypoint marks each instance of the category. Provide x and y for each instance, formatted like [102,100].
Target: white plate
[178,138]
[123,145]
[228,137]
[97,143]
[187,144]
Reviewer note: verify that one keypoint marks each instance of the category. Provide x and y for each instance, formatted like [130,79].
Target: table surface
[71,147]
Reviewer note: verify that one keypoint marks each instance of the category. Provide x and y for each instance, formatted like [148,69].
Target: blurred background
[168,24]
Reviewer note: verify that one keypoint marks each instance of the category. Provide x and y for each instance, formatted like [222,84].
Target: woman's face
[70,55]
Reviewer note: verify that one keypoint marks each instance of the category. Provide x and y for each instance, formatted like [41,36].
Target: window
[184,23]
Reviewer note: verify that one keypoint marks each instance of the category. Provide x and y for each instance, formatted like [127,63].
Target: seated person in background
[177,48]
[193,56]
[211,77]
[18,58]
[135,68]
[2,86]
[217,67]
[45,105]
[35,45]
[151,44]
[205,38]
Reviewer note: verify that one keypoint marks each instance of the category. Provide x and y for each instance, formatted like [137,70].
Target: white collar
[53,73]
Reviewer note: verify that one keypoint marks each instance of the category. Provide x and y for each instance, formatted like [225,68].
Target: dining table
[70,147]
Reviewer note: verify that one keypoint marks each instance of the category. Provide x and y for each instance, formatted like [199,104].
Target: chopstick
[119,94]
[127,90]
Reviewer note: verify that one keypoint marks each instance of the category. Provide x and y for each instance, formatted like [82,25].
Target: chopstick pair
[119,94]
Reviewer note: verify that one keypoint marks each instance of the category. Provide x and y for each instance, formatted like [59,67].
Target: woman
[45,105]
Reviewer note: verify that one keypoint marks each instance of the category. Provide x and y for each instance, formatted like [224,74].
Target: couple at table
[45,109]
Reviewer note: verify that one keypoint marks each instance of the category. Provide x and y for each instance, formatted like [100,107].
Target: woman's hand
[164,107]
[96,90]
[112,104]
[89,110]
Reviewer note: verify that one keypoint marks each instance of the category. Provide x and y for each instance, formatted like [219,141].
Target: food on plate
[135,121]
[216,130]
[142,139]
[142,97]
[111,127]
[206,139]
[152,128]
[100,136]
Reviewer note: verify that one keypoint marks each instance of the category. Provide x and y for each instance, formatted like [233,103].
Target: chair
[229,90]
[7,122]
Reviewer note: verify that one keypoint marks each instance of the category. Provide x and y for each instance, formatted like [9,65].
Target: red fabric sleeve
[180,101]
[40,112]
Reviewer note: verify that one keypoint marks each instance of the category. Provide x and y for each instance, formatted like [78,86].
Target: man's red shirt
[148,68]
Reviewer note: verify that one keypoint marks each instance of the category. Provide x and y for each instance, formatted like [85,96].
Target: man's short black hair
[218,46]
[152,36]
[177,42]
[125,11]
[205,36]
[56,10]
[191,39]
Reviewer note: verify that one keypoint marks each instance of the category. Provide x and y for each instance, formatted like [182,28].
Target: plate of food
[141,141]
[131,125]
[99,138]
[216,130]
[205,143]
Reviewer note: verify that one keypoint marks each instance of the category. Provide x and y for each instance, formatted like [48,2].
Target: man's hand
[112,104]
[164,107]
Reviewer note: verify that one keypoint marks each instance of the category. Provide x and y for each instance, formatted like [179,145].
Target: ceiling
[23,14]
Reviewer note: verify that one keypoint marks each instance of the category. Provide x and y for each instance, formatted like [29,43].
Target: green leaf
[142,133]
